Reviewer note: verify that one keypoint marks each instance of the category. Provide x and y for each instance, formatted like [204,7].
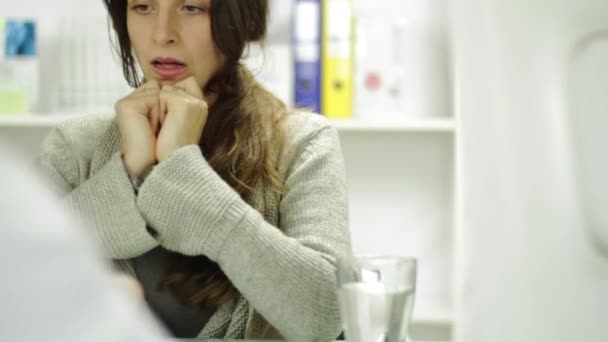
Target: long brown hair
[242,132]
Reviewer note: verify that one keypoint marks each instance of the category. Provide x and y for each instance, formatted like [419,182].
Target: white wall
[533,241]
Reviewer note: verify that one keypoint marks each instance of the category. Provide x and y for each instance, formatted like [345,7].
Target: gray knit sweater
[278,251]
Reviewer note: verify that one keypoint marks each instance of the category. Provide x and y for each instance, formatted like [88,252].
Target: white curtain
[531,82]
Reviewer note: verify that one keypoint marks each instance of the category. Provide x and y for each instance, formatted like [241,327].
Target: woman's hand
[185,118]
[138,116]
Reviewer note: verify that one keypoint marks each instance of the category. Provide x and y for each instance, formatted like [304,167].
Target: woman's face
[172,39]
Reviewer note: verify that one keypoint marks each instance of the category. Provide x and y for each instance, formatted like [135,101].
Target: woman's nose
[165,31]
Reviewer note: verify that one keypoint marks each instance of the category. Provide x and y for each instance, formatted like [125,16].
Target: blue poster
[20,38]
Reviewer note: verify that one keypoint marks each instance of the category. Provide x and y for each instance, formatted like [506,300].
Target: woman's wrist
[137,178]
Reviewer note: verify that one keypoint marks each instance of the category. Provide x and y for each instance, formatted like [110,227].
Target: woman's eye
[190,9]
[142,9]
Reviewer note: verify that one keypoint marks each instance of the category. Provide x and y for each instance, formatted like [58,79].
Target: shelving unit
[353,125]
[401,181]
[409,125]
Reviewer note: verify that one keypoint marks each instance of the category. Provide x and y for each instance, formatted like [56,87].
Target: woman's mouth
[169,68]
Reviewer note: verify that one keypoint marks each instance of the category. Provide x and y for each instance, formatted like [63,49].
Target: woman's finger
[190,86]
[163,107]
[155,117]
[150,86]
[171,94]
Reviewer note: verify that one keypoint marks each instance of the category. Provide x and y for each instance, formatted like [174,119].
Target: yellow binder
[337,62]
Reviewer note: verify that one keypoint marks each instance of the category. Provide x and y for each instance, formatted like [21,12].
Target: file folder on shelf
[337,62]
[307,54]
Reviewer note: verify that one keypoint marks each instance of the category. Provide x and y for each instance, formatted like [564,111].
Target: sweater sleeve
[105,200]
[287,274]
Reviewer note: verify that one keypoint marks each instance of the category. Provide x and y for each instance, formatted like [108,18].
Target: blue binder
[307,54]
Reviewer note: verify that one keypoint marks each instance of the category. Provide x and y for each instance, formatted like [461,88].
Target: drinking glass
[376,295]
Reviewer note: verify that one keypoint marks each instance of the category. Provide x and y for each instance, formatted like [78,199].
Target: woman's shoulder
[86,124]
[85,129]
[307,134]
[81,135]
[301,126]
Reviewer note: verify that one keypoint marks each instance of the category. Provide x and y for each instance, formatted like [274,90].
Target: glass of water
[376,295]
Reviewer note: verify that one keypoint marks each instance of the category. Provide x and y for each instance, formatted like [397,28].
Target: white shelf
[43,120]
[33,120]
[406,125]
[436,318]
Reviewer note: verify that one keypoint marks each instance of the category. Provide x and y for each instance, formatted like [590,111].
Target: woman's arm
[105,199]
[287,275]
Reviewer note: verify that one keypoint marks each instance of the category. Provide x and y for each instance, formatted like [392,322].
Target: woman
[229,210]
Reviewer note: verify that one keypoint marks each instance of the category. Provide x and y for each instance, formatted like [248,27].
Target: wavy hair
[243,129]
